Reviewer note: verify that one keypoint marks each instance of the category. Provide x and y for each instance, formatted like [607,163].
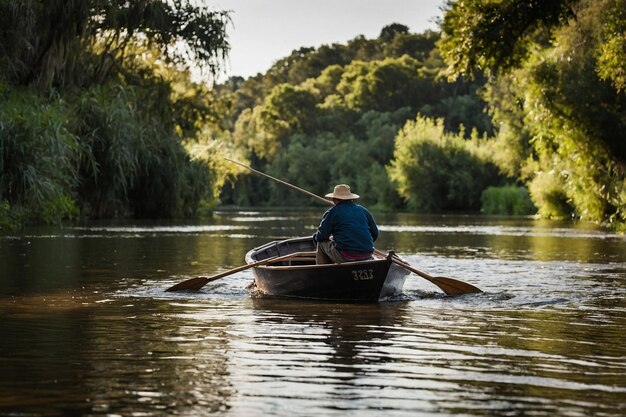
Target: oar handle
[395,258]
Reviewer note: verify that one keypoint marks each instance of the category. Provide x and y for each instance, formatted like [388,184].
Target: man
[347,231]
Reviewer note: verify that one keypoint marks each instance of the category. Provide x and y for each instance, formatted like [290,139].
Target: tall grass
[135,163]
[38,158]
[111,152]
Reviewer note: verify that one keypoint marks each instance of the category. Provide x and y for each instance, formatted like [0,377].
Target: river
[86,328]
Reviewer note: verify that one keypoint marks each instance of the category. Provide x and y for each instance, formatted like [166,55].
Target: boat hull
[373,280]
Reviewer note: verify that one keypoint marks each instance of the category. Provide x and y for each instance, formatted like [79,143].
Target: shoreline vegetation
[499,112]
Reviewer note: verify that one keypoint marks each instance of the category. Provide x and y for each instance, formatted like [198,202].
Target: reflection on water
[86,328]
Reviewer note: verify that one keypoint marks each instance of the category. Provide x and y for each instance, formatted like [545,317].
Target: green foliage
[508,199]
[78,42]
[466,110]
[612,52]
[495,34]
[439,171]
[10,217]
[329,115]
[306,64]
[107,157]
[285,111]
[315,163]
[561,108]
[511,145]
[37,157]
[114,143]
[386,85]
[95,105]
[335,153]
[582,141]
[336,99]
[62,207]
[549,195]
[132,164]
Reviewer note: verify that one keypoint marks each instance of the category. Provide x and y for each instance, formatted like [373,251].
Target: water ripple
[504,231]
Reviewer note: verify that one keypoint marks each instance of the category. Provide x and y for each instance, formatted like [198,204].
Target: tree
[285,111]
[494,35]
[418,46]
[386,85]
[61,42]
[571,112]
[96,105]
[337,109]
[389,32]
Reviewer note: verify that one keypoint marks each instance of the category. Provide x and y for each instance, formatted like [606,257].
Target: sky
[264,31]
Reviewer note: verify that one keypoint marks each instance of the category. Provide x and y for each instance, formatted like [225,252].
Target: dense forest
[513,107]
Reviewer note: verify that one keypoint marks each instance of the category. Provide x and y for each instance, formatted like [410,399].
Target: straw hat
[342,192]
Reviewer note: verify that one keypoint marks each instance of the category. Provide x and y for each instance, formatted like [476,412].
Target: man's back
[353,228]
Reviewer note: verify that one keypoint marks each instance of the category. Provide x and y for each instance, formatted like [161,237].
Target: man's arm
[324,230]
[372,225]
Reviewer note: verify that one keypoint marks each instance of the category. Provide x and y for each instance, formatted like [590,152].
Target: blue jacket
[353,228]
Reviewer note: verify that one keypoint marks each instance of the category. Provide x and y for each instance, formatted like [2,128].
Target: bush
[508,199]
[437,171]
[549,195]
[11,218]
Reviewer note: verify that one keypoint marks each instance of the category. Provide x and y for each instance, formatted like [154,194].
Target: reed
[38,157]
[134,163]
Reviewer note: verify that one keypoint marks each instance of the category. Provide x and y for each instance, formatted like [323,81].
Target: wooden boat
[299,276]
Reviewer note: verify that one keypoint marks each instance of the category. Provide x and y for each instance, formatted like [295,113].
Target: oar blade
[453,286]
[449,286]
[193,284]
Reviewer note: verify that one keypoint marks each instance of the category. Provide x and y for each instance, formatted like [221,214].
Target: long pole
[282,182]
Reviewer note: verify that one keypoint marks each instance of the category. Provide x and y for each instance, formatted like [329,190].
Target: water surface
[86,329]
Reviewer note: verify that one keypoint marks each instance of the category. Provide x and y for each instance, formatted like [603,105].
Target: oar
[199,282]
[448,285]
